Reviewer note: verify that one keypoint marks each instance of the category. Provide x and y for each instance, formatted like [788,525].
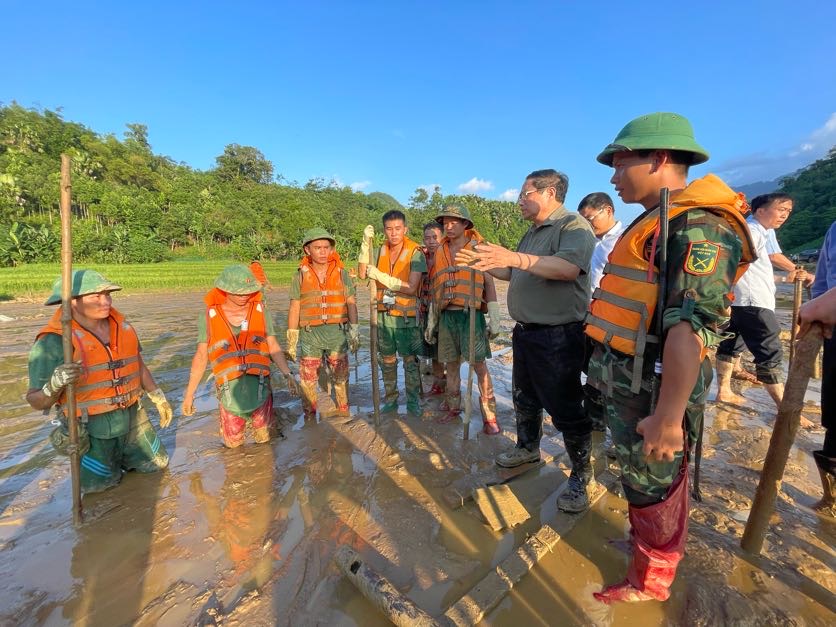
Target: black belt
[535,326]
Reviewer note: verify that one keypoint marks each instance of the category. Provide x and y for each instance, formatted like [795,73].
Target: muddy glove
[494,319]
[366,245]
[353,337]
[292,343]
[62,376]
[384,279]
[163,406]
[432,323]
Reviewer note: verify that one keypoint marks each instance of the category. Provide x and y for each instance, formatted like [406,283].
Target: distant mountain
[756,189]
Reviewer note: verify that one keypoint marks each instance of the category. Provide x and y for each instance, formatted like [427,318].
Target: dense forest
[132,205]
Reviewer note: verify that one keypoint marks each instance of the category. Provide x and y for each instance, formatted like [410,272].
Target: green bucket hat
[84,282]
[455,211]
[317,232]
[237,279]
[656,131]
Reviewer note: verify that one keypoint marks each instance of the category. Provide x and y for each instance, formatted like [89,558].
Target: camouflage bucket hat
[84,282]
[311,235]
[60,439]
[656,131]
[455,211]
[237,279]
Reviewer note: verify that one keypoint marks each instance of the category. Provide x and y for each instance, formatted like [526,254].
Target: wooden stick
[796,305]
[783,434]
[67,331]
[373,350]
[471,356]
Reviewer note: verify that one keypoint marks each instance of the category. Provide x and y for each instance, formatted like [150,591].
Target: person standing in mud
[323,316]
[708,247]
[548,295]
[452,289]
[822,309]
[433,233]
[236,335]
[753,319]
[114,431]
[397,267]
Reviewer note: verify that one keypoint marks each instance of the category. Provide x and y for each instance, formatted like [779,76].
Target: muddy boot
[488,407]
[339,368]
[308,375]
[452,408]
[658,535]
[390,387]
[412,377]
[827,469]
[575,498]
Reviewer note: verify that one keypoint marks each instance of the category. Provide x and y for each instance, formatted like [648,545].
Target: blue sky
[389,96]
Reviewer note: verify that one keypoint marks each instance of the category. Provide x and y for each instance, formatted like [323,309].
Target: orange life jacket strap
[223,374]
[113,365]
[121,400]
[110,382]
[630,273]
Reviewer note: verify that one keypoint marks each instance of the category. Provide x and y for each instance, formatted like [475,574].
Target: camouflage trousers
[645,482]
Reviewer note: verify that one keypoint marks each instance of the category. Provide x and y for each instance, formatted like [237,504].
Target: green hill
[814,191]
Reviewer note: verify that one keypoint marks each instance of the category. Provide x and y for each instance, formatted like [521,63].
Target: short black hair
[596,200]
[542,179]
[768,199]
[392,215]
[433,225]
[680,158]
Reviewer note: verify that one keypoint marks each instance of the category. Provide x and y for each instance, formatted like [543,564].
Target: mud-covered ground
[247,536]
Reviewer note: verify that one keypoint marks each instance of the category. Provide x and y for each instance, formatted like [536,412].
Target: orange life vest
[111,378]
[233,356]
[405,305]
[624,304]
[258,272]
[451,284]
[322,303]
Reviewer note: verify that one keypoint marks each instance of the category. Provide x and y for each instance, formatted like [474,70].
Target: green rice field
[35,280]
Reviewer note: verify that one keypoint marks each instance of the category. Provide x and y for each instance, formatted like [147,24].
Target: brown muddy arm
[277,355]
[199,362]
[293,314]
[145,377]
[351,303]
[38,400]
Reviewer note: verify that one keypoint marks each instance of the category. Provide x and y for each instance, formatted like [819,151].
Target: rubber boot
[412,379]
[575,498]
[488,407]
[452,405]
[308,375]
[339,369]
[827,470]
[439,380]
[658,535]
[390,387]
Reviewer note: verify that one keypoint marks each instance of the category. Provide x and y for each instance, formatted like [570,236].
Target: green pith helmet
[84,282]
[656,131]
[237,279]
[317,232]
[455,211]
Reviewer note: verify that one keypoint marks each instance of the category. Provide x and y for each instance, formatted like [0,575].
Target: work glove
[163,407]
[353,337]
[292,343]
[366,245]
[61,377]
[384,279]
[432,324]
[494,319]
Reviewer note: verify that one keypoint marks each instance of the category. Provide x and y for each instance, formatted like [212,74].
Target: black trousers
[761,333]
[828,397]
[547,375]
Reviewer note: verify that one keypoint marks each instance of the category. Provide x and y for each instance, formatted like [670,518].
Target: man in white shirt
[753,310]
[597,209]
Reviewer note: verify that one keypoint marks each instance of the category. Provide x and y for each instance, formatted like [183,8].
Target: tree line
[131,205]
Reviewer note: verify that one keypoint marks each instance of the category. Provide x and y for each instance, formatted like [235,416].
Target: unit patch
[702,257]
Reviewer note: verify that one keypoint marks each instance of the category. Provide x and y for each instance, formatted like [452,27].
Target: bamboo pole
[67,330]
[783,434]
[796,305]
[471,355]
[373,350]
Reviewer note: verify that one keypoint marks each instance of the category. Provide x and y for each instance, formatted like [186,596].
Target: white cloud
[475,185]
[430,189]
[358,186]
[510,194]
[767,165]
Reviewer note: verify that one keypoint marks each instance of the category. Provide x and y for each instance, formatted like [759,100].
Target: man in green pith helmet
[235,333]
[107,369]
[708,248]
[322,320]
[396,267]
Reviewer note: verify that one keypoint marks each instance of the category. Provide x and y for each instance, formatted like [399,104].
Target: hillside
[814,190]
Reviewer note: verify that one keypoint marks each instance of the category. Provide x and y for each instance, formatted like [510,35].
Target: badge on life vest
[702,258]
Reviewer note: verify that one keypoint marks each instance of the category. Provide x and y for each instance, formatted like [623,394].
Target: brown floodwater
[247,536]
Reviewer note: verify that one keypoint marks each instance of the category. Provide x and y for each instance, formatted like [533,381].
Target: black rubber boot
[827,470]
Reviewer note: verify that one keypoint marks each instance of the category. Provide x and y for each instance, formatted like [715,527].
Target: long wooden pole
[67,330]
[471,356]
[783,435]
[373,350]
[796,305]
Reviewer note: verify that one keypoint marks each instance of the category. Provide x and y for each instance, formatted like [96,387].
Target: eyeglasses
[592,218]
[524,195]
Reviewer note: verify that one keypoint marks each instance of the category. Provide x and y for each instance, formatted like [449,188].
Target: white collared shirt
[603,248]
[756,288]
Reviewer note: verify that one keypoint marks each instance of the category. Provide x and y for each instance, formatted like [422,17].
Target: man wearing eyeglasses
[548,294]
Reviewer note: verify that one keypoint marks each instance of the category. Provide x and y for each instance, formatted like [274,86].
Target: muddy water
[247,536]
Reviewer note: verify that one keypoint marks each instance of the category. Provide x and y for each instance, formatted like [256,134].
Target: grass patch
[35,280]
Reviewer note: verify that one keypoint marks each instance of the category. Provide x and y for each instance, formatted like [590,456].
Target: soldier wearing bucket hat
[708,247]
[114,431]
[455,290]
[236,335]
[322,320]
